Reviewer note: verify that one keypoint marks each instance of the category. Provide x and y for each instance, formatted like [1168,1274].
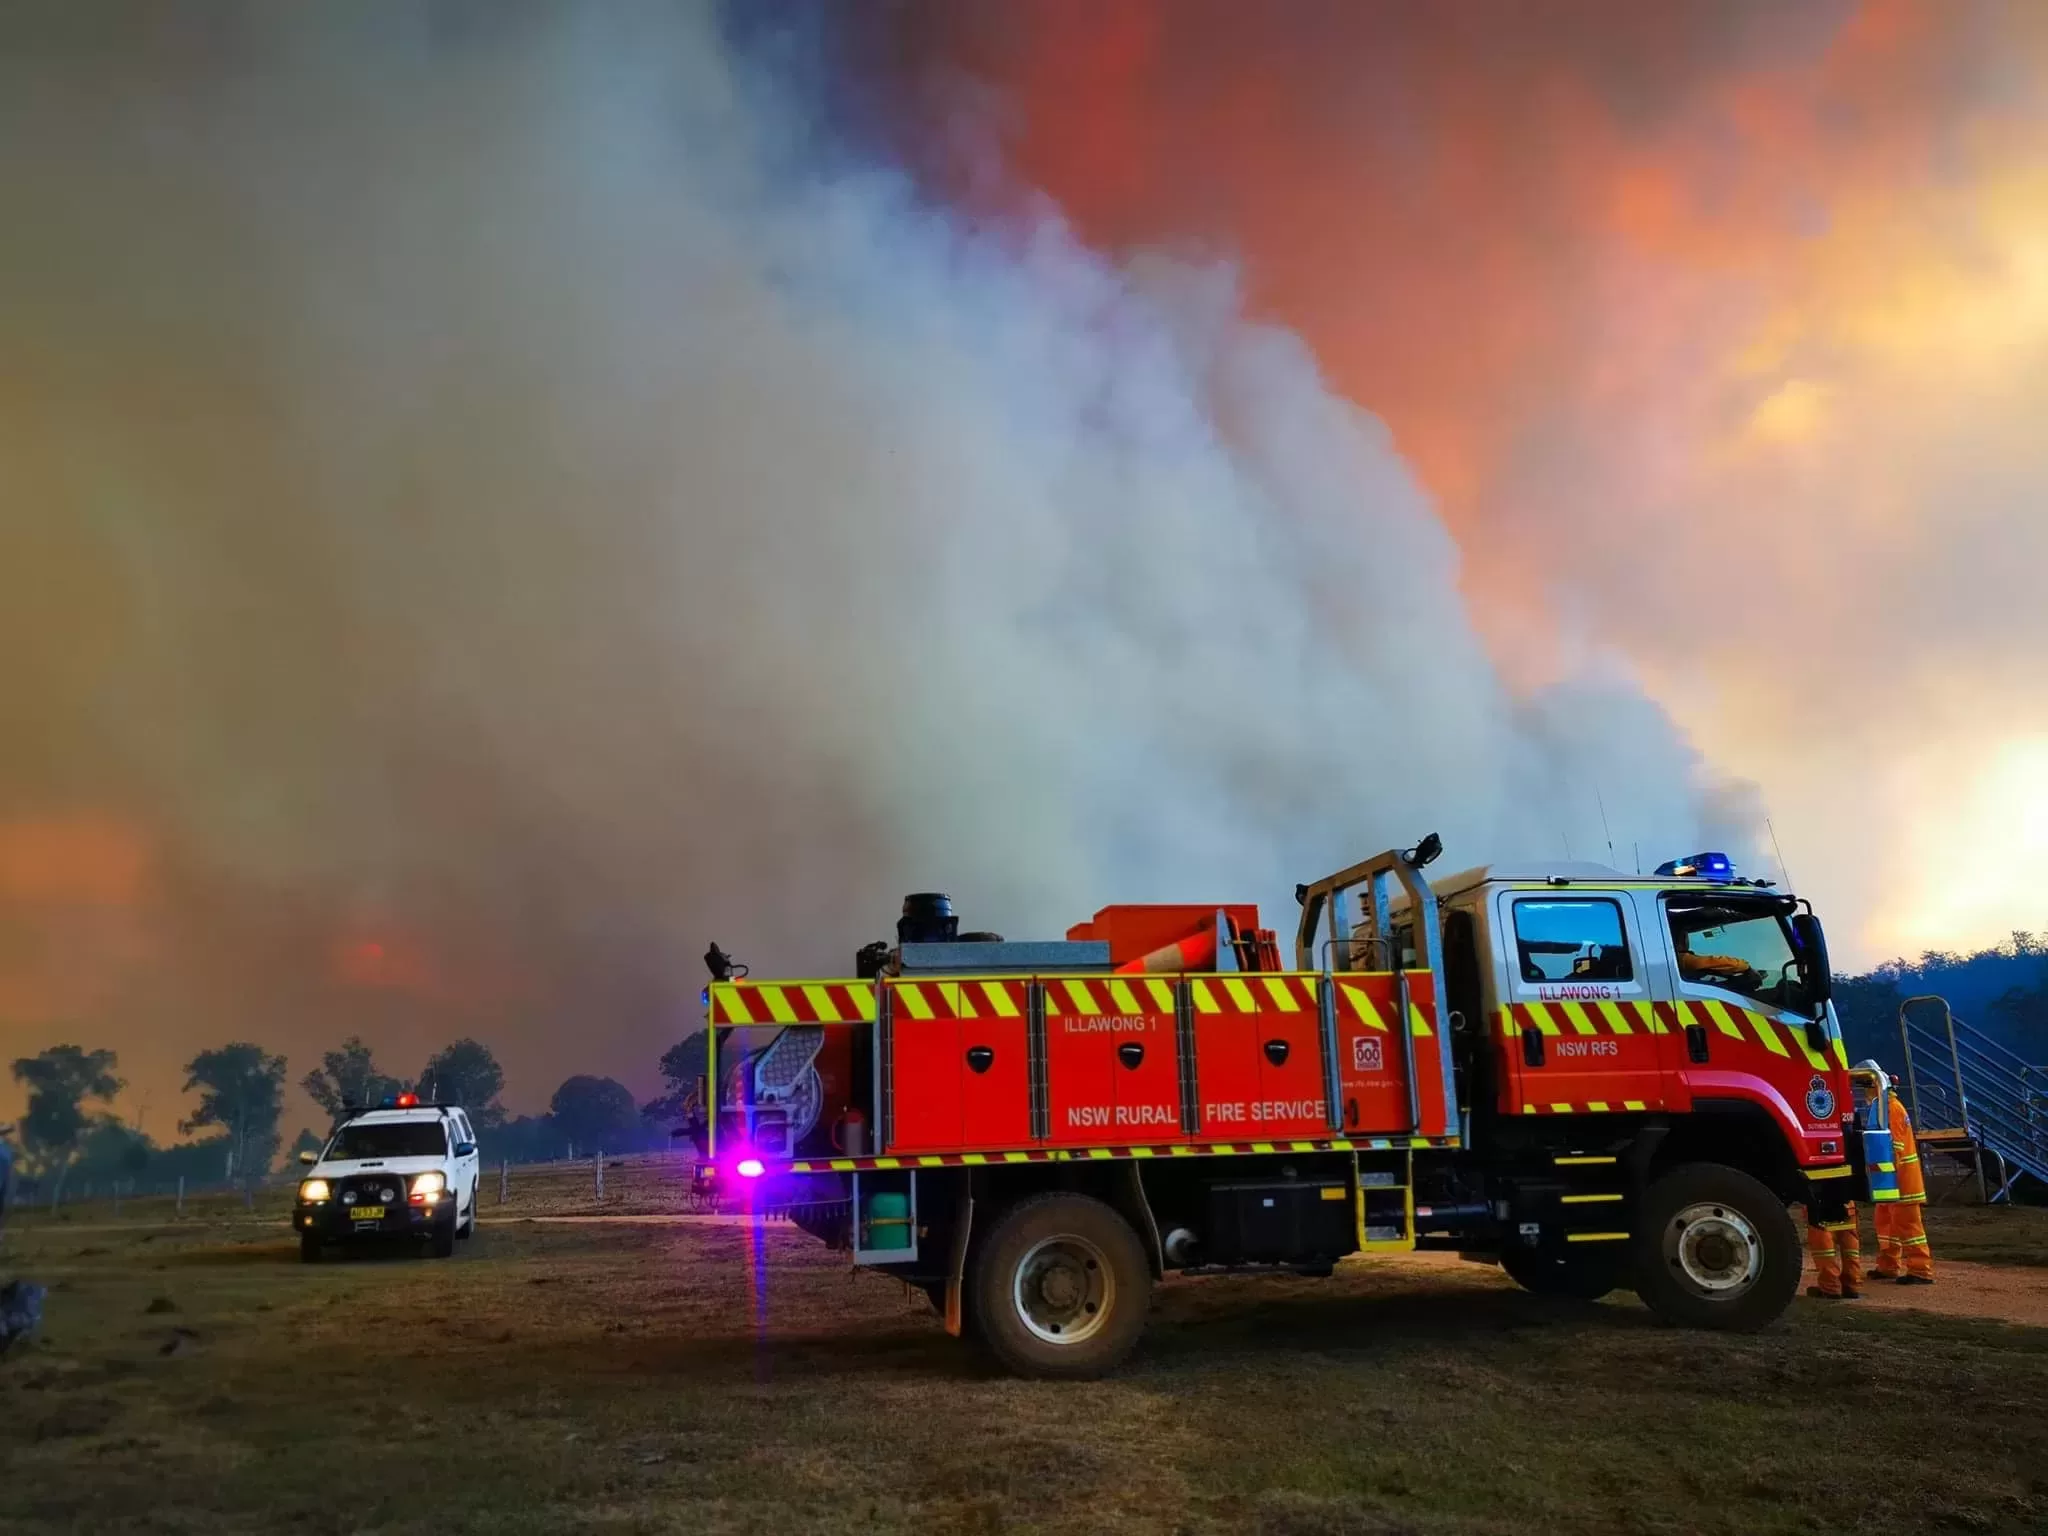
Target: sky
[494,498]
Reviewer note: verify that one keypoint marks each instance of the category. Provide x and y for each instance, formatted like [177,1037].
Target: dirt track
[2014,1294]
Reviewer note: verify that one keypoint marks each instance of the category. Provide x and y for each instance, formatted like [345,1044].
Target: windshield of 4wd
[1745,949]
[393,1138]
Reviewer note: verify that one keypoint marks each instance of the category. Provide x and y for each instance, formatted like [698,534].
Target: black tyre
[1581,1277]
[1060,1288]
[468,1223]
[309,1248]
[444,1241]
[1714,1248]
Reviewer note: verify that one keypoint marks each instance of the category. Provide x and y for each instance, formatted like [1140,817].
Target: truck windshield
[1742,946]
[391,1138]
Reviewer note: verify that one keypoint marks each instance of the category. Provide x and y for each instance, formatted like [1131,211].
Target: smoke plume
[496,498]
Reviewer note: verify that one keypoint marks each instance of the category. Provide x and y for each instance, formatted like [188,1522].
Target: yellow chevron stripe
[1418,1026]
[1100,1152]
[1598,1106]
[1082,1000]
[1240,994]
[1616,1019]
[778,1005]
[1016,1157]
[1725,1021]
[1528,1109]
[1126,1001]
[1540,1015]
[888,1162]
[1161,993]
[999,999]
[1842,1172]
[1767,1032]
[1560,1109]
[911,996]
[1282,995]
[1841,1054]
[1633,1104]
[1581,1023]
[1685,1015]
[822,1004]
[1361,1000]
[1205,1000]
[734,1006]
[1508,1028]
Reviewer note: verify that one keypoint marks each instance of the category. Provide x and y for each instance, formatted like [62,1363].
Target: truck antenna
[1600,801]
[1639,857]
[1784,874]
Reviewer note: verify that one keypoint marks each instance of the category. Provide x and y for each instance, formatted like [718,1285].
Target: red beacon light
[408,1101]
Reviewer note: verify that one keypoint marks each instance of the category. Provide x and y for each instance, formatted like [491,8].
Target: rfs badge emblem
[1820,1099]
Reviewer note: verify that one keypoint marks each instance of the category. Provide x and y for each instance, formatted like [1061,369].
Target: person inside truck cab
[1742,946]
[1699,967]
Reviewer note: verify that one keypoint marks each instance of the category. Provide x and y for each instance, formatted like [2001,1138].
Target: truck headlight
[428,1187]
[313,1190]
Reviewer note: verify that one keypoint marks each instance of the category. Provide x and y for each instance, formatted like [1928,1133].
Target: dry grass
[632,1379]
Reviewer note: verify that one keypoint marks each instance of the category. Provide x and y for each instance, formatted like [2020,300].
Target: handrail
[1992,1094]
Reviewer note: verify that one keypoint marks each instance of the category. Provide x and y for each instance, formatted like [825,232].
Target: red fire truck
[1595,1080]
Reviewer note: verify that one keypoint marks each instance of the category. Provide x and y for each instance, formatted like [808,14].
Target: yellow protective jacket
[1906,1155]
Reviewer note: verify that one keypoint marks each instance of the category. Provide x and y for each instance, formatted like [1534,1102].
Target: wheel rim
[1714,1249]
[1063,1290]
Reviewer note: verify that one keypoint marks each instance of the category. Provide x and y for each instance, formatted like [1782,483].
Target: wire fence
[627,1184]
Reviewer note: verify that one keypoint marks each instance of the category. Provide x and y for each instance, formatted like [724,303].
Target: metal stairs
[1970,1096]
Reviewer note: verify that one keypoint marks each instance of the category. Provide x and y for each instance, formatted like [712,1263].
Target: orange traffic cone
[1196,952]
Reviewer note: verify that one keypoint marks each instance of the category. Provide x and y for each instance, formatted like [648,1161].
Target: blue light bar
[1704,866]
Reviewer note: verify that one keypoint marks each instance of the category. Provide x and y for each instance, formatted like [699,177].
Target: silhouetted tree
[241,1090]
[59,1081]
[466,1073]
[347,1075]
[594,1114]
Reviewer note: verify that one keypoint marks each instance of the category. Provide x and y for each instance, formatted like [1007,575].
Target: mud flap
[956,1261]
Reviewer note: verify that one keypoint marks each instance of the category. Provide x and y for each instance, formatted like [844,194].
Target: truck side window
[1740,947]
[1575,939]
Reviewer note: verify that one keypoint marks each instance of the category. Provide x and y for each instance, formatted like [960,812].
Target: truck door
[1739,1010]
[1582,1032]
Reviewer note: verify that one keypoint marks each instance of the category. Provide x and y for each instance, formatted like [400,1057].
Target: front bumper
[332,1221]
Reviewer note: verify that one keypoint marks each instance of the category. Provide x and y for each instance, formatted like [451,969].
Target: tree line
[69,1130]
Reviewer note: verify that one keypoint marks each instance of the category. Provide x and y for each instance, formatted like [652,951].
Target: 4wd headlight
[313,1189]
[428,1186]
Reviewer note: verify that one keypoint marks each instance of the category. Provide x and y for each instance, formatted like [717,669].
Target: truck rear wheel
[1582,1277]
[1716,1249]
[1060,1288]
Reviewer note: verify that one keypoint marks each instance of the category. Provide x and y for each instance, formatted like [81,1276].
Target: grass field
[558,1377]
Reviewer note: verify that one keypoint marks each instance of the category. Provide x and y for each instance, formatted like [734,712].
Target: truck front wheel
[1060,1288]
[1716,1249]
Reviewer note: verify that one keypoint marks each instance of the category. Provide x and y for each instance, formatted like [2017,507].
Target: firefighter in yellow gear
[1902,1251]
[1837,1251]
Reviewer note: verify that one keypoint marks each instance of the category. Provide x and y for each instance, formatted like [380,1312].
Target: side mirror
[464,1148]
[1814,969]
[309,1158]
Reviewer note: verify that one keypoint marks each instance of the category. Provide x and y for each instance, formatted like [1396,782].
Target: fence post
[598,1163]
[504,1178]
[117,1199]
[181,1197]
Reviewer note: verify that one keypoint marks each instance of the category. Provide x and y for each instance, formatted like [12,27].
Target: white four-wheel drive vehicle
[406,1171]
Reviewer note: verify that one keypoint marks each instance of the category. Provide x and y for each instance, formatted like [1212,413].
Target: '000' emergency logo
[1820,1099]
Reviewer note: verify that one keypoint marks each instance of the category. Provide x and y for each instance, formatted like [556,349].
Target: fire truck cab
[1597,1081]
